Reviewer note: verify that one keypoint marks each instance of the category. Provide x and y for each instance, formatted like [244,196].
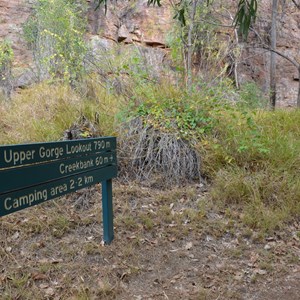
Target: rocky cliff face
[133,22]
[13,13]
[255,61]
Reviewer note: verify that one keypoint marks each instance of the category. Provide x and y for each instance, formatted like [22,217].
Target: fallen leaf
[132,237]
[209,285]
[176,277]
[267,247]
[261,272]
[38,276]
[174,250]
[238,276]
[57,260]
[101,284]
[15,235]
[43,261]
[253,259]
[50,291]
[188,246]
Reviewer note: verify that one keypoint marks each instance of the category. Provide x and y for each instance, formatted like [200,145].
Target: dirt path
[171,244]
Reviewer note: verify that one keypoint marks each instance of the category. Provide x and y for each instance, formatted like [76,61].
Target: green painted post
[107,211]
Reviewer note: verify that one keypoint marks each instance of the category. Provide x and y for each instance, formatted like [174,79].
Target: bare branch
[292,61]
[296,4]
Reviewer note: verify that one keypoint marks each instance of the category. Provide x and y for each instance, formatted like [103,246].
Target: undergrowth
[257,167]
[44,112]
[249,156]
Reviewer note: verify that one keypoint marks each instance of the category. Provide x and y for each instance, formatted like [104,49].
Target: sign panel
[15,201]
[18,178]
[34,173]
[20,155]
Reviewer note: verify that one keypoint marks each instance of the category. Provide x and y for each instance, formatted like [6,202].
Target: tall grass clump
[43,112]
[165,124]
[161,132]
[254,161]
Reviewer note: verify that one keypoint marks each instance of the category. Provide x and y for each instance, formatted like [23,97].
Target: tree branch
[296,4]
[292,61]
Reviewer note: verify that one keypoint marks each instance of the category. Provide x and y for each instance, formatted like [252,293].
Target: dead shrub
[147,153]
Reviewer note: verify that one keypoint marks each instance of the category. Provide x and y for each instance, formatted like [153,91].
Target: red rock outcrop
[13,14]
[133,22]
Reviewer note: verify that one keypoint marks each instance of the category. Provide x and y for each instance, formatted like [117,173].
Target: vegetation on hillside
[6,59]
[55,34]
[249,157]
[206,205]
[206,132]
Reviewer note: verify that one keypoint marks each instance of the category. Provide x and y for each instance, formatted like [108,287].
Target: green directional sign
[14,178]
[18,200]
[31,174]
[19,155]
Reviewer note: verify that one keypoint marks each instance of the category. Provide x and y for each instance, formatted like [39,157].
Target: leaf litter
[156,254]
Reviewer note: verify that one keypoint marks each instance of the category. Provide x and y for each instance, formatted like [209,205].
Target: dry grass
[257,167]
[170,243]
[44,112]
[146,152]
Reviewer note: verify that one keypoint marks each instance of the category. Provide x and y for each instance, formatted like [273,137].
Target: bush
[146,153]
[165,122]
[55,34]
[43,112]
[6,58]
[257,167]
[252,97]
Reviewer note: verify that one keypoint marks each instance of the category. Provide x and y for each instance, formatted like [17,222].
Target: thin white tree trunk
[190,45]
[298,97]
[273,55]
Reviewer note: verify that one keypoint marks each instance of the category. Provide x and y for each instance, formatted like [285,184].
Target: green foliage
[134,65]
[197,113]
[255,163]
[6,54]
[122,70]
[197,37]
[252,97]
[6,59]
[55,34]
[250,156]
[174,42]
[172,110]
[245,16]
[44,112]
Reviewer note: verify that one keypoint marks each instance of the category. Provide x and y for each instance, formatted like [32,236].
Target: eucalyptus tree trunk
[190,46]
[298,97]
[273,55]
